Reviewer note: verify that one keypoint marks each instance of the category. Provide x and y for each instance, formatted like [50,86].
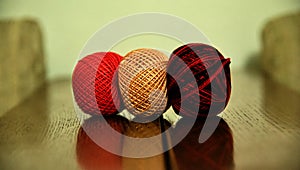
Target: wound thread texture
[201,59]
[142,81]
[95,85]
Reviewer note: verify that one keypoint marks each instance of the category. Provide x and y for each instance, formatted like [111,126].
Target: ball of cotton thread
[142,81]
[95,87]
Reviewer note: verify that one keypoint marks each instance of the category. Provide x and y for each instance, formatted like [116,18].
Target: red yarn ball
[214,89]
[95,87]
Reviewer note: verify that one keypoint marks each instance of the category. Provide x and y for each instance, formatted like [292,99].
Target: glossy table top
[260,129]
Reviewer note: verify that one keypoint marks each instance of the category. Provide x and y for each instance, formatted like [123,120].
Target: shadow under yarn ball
[142,82]
[213,81]
[95,87]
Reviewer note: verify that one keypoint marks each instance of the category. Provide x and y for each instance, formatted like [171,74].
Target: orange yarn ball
[142,81]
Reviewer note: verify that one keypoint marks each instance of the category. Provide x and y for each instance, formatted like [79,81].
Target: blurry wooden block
[281,50]
[22,68]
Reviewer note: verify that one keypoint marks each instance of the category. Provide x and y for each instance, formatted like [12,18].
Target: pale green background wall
[234,26]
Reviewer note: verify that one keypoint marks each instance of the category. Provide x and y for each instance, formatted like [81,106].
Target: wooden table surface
[260,129]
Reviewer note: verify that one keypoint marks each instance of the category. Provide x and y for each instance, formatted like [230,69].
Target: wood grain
[263,118]
[41,132]
[265,123]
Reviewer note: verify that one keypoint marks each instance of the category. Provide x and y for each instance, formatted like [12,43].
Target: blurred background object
[281,50]
[22,67]
[234,26]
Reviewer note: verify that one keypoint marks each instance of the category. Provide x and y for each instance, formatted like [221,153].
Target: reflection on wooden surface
[280,100]
[216,153]
[90,155]
[43,133]
[264,119]
[143,130]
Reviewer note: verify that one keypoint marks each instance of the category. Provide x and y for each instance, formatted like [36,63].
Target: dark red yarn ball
[201,59]
[95,87]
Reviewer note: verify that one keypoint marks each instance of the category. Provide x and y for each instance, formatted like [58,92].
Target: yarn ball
[142,82]
[214,89]
[95,87]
